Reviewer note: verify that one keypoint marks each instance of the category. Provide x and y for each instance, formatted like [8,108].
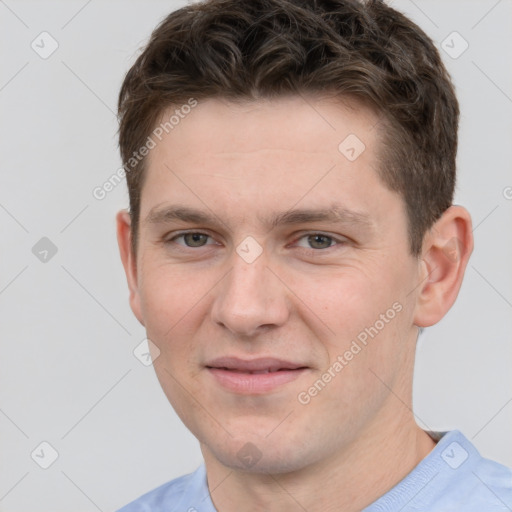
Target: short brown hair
[250,49]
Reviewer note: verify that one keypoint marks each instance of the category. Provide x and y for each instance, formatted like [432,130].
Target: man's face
[265,245]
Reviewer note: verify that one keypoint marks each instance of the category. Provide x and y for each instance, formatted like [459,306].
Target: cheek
[169,290]
[172,303]
[365,318]
[349,302]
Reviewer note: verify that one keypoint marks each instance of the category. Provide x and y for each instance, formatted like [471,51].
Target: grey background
[68,375]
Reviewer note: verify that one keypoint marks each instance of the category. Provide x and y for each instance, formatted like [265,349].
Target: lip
[238,375]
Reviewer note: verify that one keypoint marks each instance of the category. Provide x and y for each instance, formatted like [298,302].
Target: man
[291,167]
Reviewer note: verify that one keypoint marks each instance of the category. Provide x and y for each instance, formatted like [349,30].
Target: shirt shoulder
[482,485]
[454,477]
[187,493]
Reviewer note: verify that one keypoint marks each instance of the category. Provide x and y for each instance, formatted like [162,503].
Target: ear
[446,250]
[124,237]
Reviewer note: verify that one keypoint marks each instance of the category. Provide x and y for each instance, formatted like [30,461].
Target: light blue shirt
[453,477]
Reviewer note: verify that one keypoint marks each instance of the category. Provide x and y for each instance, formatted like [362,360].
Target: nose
[251,299]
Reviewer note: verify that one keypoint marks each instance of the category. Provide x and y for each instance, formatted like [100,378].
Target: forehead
[304,123]
[266,156]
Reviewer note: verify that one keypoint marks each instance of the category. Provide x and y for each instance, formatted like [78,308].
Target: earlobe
[123,224]
[446,251]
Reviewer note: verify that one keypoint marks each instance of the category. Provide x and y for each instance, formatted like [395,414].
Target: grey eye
[319,241]
[195,239]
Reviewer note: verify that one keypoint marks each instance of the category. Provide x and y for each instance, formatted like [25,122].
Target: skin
[244,164]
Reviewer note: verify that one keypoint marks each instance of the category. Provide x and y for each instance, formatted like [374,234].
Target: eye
[191,239]
[317,241]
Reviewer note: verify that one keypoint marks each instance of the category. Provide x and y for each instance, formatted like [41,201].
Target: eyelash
[335,241]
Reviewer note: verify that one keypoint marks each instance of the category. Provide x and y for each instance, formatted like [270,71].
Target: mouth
[254,376]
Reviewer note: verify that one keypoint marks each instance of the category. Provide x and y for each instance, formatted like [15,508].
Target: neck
[349,480]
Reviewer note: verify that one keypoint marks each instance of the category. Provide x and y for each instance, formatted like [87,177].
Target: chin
[254,454]
[269,463]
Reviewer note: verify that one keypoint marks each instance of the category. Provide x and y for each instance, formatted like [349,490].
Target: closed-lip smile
[254,376]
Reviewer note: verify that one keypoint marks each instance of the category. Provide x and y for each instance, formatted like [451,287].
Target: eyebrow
[335,214]
[171,213]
